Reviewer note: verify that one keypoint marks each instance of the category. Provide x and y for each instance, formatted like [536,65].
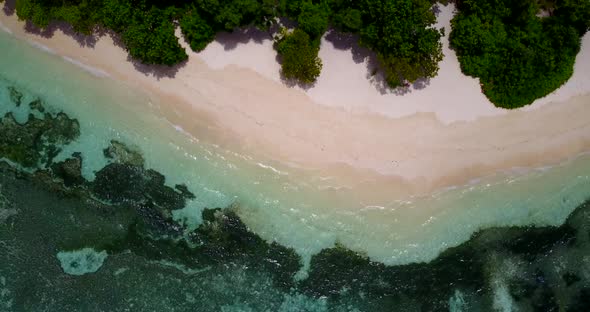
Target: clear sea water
[294,209]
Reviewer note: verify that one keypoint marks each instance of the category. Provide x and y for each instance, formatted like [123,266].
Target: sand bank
[346,126]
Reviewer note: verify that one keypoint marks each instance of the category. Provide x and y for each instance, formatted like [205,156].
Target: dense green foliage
[147,31]
[300,56]
[151,39]
[313,18]
[399,31]
[196,30]
[518,55]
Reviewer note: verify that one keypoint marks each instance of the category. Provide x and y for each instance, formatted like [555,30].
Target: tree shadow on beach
[436,9]
[158,71]
[374,70]
[349,42]
[244,35]
[240,36]
[9,7]
[421,83]
[231,40]
[49,31]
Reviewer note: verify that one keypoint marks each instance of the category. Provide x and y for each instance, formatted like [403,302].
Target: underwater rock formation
[37,140]
[82,261]
[136,257]
[16,96]
[122,154]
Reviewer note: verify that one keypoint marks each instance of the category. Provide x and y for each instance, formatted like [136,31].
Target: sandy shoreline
[443,135]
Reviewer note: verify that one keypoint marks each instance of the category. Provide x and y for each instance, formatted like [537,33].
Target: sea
[109,205]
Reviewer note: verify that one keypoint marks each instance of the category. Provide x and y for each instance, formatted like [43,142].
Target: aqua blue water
[277,204]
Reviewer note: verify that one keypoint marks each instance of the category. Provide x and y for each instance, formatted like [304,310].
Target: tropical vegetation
[520,50]
[399,31]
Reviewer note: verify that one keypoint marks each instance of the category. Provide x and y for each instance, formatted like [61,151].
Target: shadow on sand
[157,71]
[374,70]
[9,7]
[230,41]
[49,31]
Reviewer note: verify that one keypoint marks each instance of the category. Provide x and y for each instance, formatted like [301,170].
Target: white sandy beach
[444,134]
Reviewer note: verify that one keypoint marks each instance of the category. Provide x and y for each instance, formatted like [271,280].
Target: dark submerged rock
[581,302]
[125,183]
[120,153]
[16,96]
[37,140]
[184,191]
[37,105]
[18,142]
[69,170]
[570,278]
[61,129]
[223,236]
[533,242]
[544,300]
[520,289]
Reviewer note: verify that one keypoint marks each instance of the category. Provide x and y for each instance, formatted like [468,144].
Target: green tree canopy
[401,33]
[196,30]
[299,57]
[313,18]
[151,39]
[517,55]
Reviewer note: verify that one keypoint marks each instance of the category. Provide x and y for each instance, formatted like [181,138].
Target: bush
[518,56]
[401,33]
[196,31]
[313,19]
[151,39]
[299,57]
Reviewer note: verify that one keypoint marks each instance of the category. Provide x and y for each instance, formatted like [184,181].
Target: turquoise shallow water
[295,210]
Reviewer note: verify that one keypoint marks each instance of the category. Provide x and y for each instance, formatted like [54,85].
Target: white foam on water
[502,270]
[82,261]
[120,271]
[271,168]
[92,70]
[299,302]
[182,268]
[4,28]
[181,130]
[457,302]
[6,211]
[6,300]
[236,308]
[503,302]
[41,47]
